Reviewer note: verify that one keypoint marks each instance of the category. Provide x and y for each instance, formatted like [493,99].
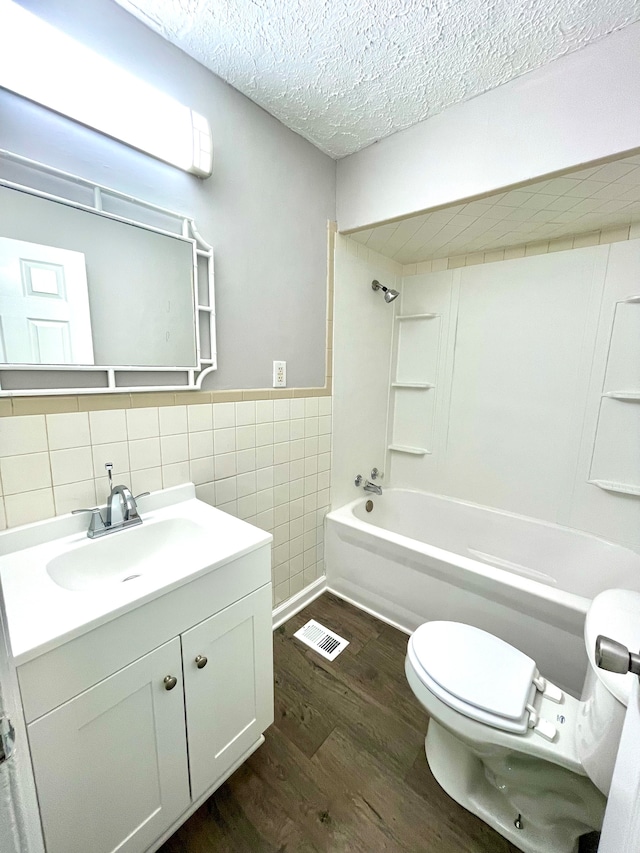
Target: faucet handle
[97,521]
[133,509]
[358,480]
[375,473]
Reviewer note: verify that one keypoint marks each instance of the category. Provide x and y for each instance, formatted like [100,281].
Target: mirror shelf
[171,342]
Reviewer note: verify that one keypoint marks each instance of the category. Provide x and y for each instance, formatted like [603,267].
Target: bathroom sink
[58,584]
[128,554]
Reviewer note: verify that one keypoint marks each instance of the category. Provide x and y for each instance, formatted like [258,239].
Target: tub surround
[362,354]
[532,406]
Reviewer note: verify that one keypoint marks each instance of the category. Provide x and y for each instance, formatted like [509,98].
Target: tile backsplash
[266,461]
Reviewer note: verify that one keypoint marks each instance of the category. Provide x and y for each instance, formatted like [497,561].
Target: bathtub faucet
[372,487]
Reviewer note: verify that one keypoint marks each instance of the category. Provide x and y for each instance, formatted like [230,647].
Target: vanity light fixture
[45,65]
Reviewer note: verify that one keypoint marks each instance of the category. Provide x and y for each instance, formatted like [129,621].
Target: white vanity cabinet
[111,764]
[229,700]
[135,723]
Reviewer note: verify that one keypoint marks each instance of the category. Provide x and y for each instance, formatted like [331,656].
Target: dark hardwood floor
[343,767]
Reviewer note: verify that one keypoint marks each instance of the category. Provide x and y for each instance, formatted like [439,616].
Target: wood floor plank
[394,637]
[376,726]
[299,719]
[415,820]
[388,653]
[379,677]
[221,825]
[343,769]
[263,806]
[321,804]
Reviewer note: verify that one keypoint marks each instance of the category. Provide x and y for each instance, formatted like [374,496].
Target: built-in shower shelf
[621,488]
[419,385]
[632,298]
[414,451]
[416,316]
[632,396]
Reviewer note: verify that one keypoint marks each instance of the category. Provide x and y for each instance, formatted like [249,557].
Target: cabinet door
[229,701]
[111,764]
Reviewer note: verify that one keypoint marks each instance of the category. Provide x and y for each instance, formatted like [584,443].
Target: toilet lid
[475,672]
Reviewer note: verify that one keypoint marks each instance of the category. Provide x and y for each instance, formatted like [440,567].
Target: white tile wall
[265,461]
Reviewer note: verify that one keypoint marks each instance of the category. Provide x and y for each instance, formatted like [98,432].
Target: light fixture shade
[45,65]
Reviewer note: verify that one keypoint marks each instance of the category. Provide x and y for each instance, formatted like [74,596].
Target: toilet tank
[605,695]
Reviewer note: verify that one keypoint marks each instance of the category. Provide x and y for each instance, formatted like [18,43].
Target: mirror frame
[43,379]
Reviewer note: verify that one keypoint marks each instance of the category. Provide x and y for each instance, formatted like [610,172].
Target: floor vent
[324,641]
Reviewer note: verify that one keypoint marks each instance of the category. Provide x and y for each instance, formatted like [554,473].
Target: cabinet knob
[170,682]
[201,661]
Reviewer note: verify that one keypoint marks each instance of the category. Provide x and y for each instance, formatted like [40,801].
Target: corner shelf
[416,361]
[621,488]
[628,396]
[422,386]
[414,451]
[416,316]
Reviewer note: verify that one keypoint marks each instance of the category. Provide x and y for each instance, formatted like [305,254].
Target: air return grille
[325,642]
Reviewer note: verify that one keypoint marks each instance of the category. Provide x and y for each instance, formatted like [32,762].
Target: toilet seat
[478,675]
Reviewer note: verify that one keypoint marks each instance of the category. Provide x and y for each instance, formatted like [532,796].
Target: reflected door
[44,305]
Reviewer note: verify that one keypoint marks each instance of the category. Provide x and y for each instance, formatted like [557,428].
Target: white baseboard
[369,610]
[299,601]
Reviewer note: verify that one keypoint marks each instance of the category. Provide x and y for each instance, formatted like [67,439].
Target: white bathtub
[418,556]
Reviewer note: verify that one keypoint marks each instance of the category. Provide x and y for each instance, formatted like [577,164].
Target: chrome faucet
[122,510]
[121,507]
[372,487]
[368,485]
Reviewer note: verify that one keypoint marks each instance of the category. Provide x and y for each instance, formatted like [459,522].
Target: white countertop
[42,615]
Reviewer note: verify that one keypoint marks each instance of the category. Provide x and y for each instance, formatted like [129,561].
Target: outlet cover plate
[279,374]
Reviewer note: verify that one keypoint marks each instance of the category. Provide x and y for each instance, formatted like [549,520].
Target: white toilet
[531,761]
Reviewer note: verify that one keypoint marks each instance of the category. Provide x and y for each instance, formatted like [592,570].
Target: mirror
[136,285]
[86,289]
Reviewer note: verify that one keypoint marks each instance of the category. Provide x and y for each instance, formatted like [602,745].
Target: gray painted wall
[264,209]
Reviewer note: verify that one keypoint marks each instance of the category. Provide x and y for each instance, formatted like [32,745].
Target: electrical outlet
[279,374]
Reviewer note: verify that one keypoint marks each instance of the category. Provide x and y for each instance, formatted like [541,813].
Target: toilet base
[555,806]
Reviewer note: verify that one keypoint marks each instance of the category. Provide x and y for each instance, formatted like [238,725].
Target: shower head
[389,295]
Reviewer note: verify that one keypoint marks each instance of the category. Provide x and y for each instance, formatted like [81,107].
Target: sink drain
[130,578]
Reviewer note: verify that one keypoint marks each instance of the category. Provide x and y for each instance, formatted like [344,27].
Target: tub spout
[372,487]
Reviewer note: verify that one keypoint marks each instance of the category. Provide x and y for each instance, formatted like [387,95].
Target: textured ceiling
[606,196]
[345,73]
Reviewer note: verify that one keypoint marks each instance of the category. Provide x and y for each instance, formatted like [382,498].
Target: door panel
[111,764]
[229,702]
[44,305]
